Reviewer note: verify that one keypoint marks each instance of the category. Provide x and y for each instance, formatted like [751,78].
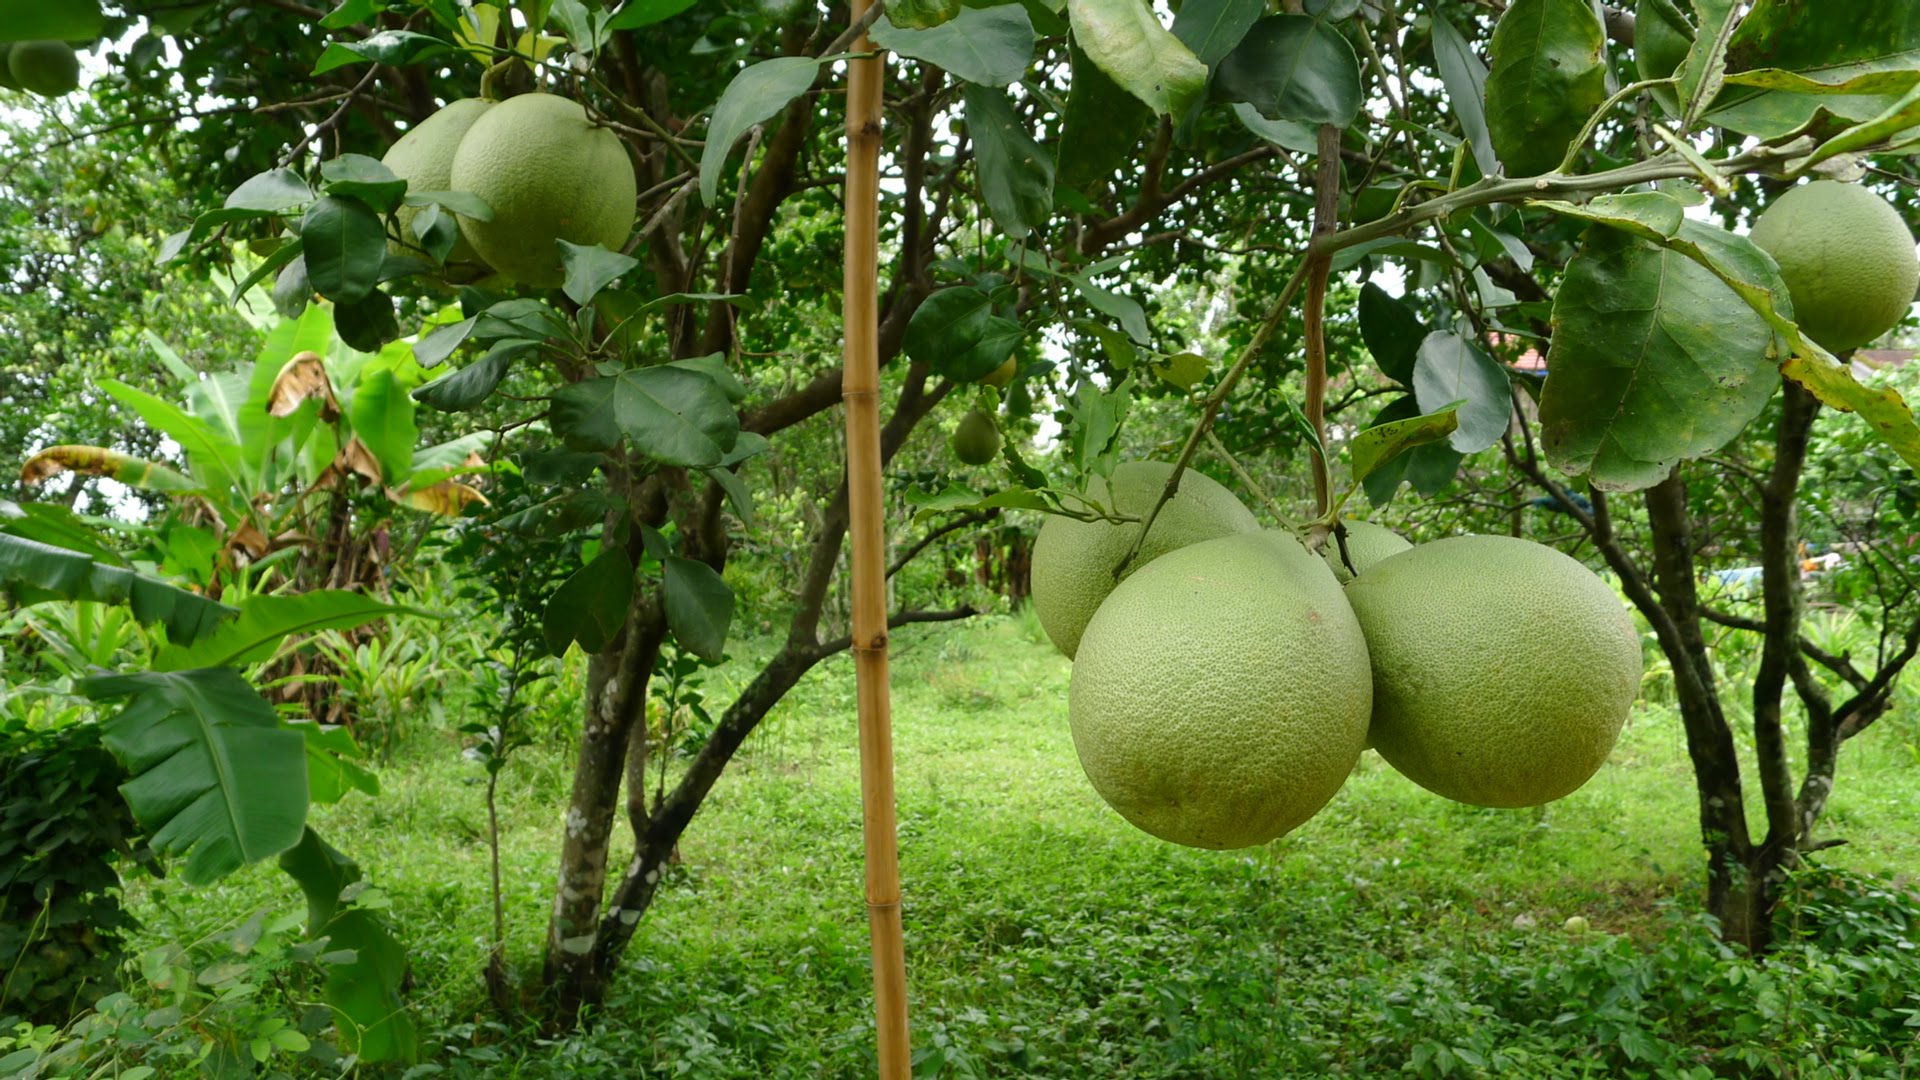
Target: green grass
[1046,936]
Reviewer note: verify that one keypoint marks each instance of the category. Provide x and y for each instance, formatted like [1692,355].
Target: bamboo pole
[860,388]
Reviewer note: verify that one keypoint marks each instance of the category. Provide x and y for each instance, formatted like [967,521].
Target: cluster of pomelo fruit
[47,68]
[1225,686]
[545,169]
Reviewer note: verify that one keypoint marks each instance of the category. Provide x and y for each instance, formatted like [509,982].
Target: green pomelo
[977,440]
[1221,694]
[423,157]
[1502,669]
[999,377]
[1846,257]
[1367,544]
[1073,560]
[549,174]
[47,68]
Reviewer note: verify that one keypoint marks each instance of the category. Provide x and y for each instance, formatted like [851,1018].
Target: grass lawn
[1046,937]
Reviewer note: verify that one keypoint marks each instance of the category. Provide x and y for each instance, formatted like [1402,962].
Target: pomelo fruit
[1846,257]
[1221,694]
[1073,560]
[549,174]
[423,157]
[1367,544]
[999,377]
[47,68]
[977,440]
[1502,669]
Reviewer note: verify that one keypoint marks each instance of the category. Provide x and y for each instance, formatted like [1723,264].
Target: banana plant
[272,455]
[216,777]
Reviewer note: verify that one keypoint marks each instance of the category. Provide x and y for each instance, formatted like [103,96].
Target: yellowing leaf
[448,498]
[99,461]
[478,30]
[303,377]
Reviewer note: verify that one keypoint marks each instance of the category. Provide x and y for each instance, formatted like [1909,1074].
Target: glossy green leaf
[989,46]
[1452,370]
[1016,174]
[382,416]
[1102,125]
[58,572]
[1465,78]
[398,48]
[1654,360]
[364,993]
[60,20]
[1286,134]
[1291,67]
[673,416]
[1808,58]
[753,97]
[590,269]
[213,459]
[265,620]
[368,323]
[946,326]
[635,14]
[272,191]
[1383,442]
[1211,28]
[357,176]
[1119,307]
[1127,41]
[699,607]
[345,243]
[590,607]
[1391,331]
[918,15]
[213,774]
[1549,74]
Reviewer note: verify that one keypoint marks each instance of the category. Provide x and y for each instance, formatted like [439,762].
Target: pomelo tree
[1528,179]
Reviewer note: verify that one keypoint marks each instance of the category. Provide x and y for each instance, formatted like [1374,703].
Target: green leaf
[1392,333]
[212,459]
[590,607]
[1384,442]
[214,775]
[590,269]
[467,388]
[382,416]
[714,366]
[635,14]
[990,46]
[997,341]
[753,97]
[331,768]
[1286,134]
[345,245]
[1291,67]
[523,318]
[368,323]
[1126,40]
[397,48]
[1654,360]
[1549,74]
[946,326]
[1101,126]
[1465,78]
[464,203]
[272,191]
[673,416]
[99,461]
[1902,115]
[1452,370]
[77,575]
[699,607]
[919,15]
[363,993]
[1183,370]
[1866,55]
[1016,175]
[357,176]
[1121,308]
[1211,28]
[1429,467]
[283,256]
[265,620]
[37,20]
[436,345]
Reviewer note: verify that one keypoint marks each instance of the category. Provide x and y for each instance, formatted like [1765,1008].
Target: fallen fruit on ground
[1222,694]
[1073,561]
[549,174]
[423,157]
[1847,259]
[47,68]
[977,440]
[1367,544]
[1502,669]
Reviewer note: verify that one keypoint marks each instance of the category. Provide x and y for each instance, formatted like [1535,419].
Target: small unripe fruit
[999,377]
[977,440]
[47,68]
